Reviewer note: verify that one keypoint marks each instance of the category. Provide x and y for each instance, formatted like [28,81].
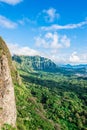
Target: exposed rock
[15,75]
[30,63]
[7,98]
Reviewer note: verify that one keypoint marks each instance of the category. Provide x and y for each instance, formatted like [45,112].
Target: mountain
[44,100]
[78,70]
[51,101]
[80,66]
[38,63]
[7,98]
[35,63]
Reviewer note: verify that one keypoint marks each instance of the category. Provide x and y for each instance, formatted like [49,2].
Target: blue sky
[54,29]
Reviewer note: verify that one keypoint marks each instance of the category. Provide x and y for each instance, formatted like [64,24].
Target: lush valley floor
[51,101]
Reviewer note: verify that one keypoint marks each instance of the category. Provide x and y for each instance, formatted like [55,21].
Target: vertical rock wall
[7,98]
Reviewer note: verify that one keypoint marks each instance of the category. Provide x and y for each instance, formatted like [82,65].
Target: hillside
[79,70]
[38,63]
[48,100]
[35,63]
[45,100]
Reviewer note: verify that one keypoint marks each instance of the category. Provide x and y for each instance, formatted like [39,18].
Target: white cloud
[83,58]
[66,41]
[17,50]
[5,22]
[63,27]
[74,58]
[52,41]
[49,15]
[66,58]
[25,20]
[78,58]
[11,2]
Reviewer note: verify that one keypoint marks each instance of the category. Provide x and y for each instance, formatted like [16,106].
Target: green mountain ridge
[35,63]
[38,63]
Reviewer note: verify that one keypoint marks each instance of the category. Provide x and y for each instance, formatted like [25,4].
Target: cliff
[7,98]
[36,63]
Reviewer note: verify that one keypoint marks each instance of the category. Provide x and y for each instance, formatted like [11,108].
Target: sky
[56,29]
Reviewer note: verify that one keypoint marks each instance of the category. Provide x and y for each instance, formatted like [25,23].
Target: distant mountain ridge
[74,66]
[31,63]
[38,63]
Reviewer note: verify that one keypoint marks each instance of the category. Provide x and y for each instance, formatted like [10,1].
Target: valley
[50,100]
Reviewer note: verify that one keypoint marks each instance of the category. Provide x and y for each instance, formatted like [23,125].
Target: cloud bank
[15,49]
[64,27]
[74,58]
[52,41]
[11,2]
[6,23]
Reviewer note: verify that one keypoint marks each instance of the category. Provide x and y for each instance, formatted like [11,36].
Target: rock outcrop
[7,97]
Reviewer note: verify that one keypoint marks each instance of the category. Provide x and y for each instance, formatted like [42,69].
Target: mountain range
[38,63]
[37,94]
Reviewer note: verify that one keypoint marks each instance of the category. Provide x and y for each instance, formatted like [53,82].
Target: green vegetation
[8,127]
[4,50]
[49,100]
[31,114]
[31,63]
[50,97]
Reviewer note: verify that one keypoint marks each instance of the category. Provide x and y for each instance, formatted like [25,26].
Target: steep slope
[49,101]
[7,98]
[38,63]
[30,63]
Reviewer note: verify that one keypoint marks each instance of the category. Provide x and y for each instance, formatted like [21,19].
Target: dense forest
[50,100]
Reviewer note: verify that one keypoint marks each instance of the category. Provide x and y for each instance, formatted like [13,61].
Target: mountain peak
[4,50]
[35,63]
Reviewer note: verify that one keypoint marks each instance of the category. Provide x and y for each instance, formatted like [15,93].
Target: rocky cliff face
[36,63]
[7,98]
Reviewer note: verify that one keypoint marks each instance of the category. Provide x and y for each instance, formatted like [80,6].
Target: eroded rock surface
[7,97]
